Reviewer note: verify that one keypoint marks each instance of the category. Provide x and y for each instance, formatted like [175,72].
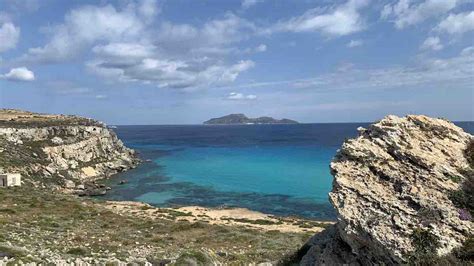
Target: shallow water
[276,169]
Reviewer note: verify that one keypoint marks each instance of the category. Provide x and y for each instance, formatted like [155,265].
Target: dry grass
[70,227]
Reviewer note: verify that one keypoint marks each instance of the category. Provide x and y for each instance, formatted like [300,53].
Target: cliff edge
[397,190]
[60,150]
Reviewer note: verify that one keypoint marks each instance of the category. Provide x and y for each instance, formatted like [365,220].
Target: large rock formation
[391,182]
[60,150]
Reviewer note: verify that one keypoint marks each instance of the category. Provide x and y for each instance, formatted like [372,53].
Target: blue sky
[182,62]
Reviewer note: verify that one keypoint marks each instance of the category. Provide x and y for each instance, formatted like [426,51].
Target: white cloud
[148,9]
[84,26]
[406,13]
[178,56]
[354,43]
[237,96]
[171,73]
[125,50]
[250,3]
[456,72]
[457,23]
[431,43]
[19,74]
[341,20]
[9,35]
[127,47]
[261,48]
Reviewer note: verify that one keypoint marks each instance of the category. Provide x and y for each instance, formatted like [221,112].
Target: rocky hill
[237,119]
[403,191]
[59,150]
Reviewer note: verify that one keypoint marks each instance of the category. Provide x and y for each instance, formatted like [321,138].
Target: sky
[185,61]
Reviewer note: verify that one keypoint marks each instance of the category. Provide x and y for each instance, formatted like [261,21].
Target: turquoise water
[276,169]
[294,171]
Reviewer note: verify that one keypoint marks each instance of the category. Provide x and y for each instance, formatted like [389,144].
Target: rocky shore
[70,155]
[403,192]
[60,151]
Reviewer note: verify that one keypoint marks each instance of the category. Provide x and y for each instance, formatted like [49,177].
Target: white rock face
[395,177]
[71,152]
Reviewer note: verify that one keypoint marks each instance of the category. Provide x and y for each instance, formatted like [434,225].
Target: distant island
[241,119]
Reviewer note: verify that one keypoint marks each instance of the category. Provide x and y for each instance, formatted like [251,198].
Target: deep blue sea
[275,169]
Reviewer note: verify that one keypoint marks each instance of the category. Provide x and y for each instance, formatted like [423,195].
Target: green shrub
[193,258]
[12,251]
[425,244]
[78,251]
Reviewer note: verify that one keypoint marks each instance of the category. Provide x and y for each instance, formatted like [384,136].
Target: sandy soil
[231,216]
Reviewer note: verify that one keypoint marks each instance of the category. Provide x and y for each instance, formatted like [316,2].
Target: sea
[276,169]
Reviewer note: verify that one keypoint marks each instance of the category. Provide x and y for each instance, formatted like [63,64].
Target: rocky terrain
[40,227]
[60,151]
[403,191]
[241,119]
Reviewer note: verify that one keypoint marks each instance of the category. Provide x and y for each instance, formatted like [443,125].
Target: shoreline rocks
[390,183]
[61,151]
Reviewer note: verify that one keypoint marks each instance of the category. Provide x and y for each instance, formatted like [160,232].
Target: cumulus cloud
[431,43]
[338,21]
[126,47]
[250,3]
[180,55]
[84,26]
[19,74]
[405,13]
[9,35]
[457,23]
[237,96]
[354,43]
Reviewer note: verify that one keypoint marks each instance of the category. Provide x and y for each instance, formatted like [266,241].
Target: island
[241,119]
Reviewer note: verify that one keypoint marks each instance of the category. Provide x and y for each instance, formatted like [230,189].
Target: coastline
[220,216]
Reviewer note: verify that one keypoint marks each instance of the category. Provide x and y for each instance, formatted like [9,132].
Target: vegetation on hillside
[37,225]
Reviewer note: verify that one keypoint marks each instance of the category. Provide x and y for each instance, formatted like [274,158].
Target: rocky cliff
[396,190]
[59,150]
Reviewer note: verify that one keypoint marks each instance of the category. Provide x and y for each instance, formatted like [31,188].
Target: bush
[425,244]
[193,258]
[79,251]
[464,198]
[424,241]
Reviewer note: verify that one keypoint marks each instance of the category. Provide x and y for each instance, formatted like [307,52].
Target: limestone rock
[393,178]
[59,148]
[69,184]
[57,140]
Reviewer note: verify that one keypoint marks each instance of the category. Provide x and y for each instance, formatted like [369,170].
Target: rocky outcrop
[391,182]
[60,150]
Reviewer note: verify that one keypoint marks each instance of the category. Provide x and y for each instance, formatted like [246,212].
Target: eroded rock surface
[396,177]
[60,150]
